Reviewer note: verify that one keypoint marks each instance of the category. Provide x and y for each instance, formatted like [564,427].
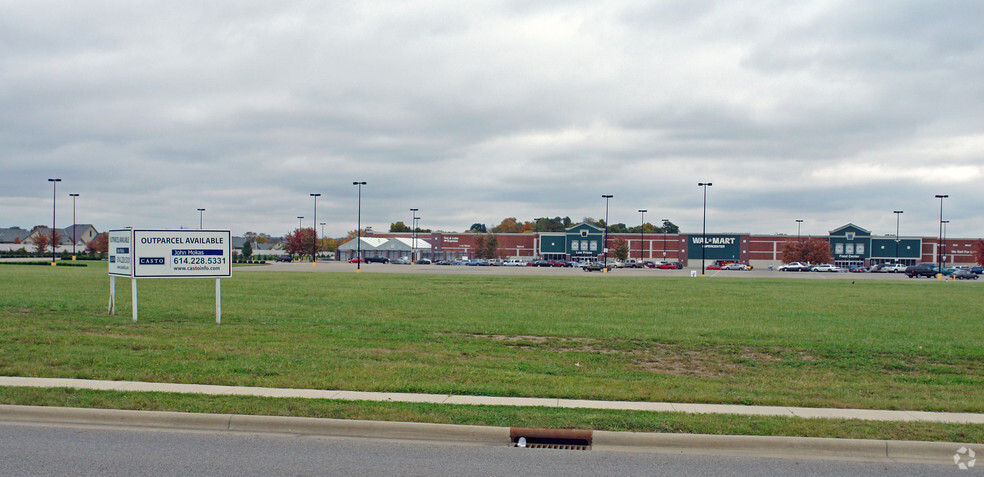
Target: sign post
[169,254]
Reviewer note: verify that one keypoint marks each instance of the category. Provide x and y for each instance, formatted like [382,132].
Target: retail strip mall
[849,245]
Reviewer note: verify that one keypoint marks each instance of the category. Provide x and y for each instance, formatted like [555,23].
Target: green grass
[502,416]
[821,343]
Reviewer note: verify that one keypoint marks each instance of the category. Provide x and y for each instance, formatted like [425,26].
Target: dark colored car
[922,270]
[978,270]
[594,267]
[284,258]
[377,260]
[540,263]
[964,274]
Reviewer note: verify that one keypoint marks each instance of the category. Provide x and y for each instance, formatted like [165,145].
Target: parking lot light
[703,240]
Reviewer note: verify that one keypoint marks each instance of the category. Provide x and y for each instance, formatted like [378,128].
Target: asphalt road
[63,449]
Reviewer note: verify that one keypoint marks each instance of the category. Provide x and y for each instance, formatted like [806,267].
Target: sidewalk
[802,412]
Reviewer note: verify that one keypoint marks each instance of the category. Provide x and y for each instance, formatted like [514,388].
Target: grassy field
[826,343]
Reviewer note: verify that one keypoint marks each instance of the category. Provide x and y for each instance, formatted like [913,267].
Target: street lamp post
[54,188]
[664,238]
[323,230]
[416,225]
[299,218]
[939,258]
[703,240]
[799,222]
[604,246]
[413,233]
[898,221]
[201,219]
[74,228]
[358,230]
[314,228]
[642,236]
[944,245]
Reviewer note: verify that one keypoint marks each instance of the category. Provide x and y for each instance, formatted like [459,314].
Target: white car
[735,266]
[794,267]
[826,268]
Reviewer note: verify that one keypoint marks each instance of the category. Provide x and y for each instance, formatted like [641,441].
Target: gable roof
[844,229]
[592,228]
[12,234]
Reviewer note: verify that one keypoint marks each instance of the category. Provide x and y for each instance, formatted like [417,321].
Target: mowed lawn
[826,343]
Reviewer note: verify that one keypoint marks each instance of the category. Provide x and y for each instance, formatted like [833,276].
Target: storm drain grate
[564,439]
[537,445]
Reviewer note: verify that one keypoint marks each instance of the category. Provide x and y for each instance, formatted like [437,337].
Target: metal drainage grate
[564,439]
[537,445]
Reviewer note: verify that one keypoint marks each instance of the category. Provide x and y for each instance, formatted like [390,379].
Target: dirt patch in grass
[660,358]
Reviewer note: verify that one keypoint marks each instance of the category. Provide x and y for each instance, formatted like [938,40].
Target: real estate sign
[120,245]
[182,253]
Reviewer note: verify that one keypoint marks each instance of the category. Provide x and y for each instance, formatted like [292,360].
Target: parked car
[594,267]
[964,274]
[922,270]
[376,260]
[795,267]
[513,262]
[356,260]
[978,269]
[285,258]
[736,266]
[402,261]
[858,269]
[894,268]
[826,267]
[424,261]
[630,263]
[670,266]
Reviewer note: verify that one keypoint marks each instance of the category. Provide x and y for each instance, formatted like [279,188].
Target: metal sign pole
[112,295]
[218,301]
[134,288]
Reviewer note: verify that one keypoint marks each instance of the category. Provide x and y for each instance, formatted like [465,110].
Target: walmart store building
[849,245]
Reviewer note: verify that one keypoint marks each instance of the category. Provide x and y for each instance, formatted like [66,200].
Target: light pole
[799,222]
[703,240]
[898,221]
[323,230]
[944,245]
[604,246]
[939,258]
[413,234]
[314,228]
[201,219]
[358,230]
[299,218]
[642,234]
[74,228]
[416,225]
[54,188]
[664,238]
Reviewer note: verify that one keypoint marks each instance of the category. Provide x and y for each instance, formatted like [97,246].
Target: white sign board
[181,253]
[120,244]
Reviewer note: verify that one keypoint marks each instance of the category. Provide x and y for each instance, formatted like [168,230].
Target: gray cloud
[831,111]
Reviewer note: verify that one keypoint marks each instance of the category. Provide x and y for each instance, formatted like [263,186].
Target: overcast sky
[826,111]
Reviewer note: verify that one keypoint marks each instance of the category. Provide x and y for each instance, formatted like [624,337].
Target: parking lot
[344,267]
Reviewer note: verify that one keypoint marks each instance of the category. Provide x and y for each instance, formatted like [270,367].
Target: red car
[356,260]
[670,266]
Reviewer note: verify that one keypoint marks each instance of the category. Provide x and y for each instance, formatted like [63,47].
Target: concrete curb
[697,444]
